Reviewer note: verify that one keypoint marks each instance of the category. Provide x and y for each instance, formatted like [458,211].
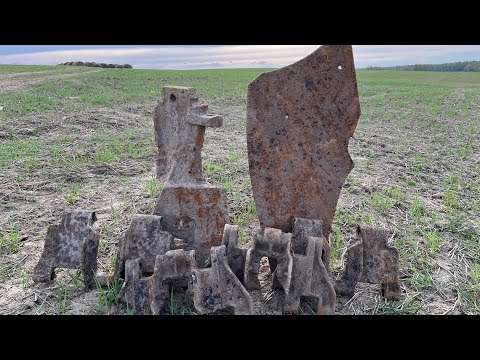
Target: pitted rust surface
[371,260]
[180,119]
[196,214]
[191,209]
[174,266]
[136,289]
[236,254]
[352,272]
[73,245]
[299,121]
[302,230]
[144,239]
[272,243]
[217,287]
[309,274]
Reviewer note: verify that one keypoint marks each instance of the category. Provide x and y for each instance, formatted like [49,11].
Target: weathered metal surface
[174,266]
[73,245]
[304,228]
[272,243]
[197,214]
[180,119]
[191,209]
[217,287]
[371,260]
[236,254]
[299,121]
[309,274]
[144,239]
[352,272]
[136,289]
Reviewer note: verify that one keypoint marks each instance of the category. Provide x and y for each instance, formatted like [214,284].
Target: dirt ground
[401,179]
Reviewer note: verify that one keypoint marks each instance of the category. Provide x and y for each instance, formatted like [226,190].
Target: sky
[228,56]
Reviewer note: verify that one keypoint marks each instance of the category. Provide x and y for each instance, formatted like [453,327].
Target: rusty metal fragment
[236,254]
[191,209]
[136,289]
[144,239]
[352,272]
[73,245]
[218,288]
[174,266]
[180,119]
[272,243]
[299,121]
[309,274]
[304,228]
[371,260]
[196,213]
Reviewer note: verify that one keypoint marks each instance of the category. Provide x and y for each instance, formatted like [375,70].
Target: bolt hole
[339,67]
[173,98]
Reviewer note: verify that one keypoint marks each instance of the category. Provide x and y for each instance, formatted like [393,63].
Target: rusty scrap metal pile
[299,121]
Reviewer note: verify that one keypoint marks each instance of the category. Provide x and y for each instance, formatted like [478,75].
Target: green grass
[116,215]
[61,297]
[68,288]
[234,157]
[434,241]
[23,151]
[10,242]
[3,272]
[118,86]
[179,307]
[108,297]
[25,277]
[420,280]
[416,209]
[417,79]
[72,195]
[381,203]
[470,290]
[409,306]
[153,186]
[335,246]
[210,167]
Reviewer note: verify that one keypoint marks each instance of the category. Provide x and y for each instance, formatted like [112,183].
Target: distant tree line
[473,66]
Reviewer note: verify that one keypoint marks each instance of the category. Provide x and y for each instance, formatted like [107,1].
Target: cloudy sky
[228,56]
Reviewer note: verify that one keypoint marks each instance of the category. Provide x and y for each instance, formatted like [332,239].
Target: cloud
[389,55]
[231,56]
[171,56]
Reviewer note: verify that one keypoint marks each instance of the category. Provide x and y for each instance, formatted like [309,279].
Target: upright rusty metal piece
[352,272]
[136,288]
[302,230]
[180,119]
[309,274]
[236,254]
[371,260]
[149,294]
[174,266]
[144,239]
[272,243]
[191,209]
[299,121]
[217,287]
[73,245]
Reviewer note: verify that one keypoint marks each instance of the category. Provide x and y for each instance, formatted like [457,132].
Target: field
[82,138]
